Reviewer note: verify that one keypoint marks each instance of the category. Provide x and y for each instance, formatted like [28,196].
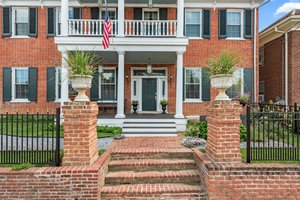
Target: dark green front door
[149,94]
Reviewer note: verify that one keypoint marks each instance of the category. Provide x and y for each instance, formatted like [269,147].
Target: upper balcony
[132,28]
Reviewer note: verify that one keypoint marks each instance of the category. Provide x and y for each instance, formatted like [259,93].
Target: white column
[121,17]
[180,17]
[120,101]
[64,17]
[64,78]
[179,85]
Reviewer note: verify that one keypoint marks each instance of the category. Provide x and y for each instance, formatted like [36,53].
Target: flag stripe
[107,30]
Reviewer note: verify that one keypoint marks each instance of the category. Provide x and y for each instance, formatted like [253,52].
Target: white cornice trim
[123,44]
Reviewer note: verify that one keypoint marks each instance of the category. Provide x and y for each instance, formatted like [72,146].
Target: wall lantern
[149,67]
[100,69]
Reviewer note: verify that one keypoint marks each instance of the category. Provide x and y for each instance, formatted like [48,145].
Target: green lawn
[43,130]
[244,155]
[17,167]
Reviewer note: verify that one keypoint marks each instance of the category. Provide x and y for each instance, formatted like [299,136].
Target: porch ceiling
[131,1]
[139,57]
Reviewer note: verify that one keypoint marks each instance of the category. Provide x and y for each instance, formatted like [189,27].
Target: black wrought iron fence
[30,138]
[273,133]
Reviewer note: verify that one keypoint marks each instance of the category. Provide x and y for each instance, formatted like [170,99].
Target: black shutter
[205,84]
[51,22]
[248,83]
[138,15]
[95,87]
[163,15]
[95,13]
[248,23]
[7,84]
[77,13]
[222,23]
[33,17]
[51,83]
[32,86]
[206,24]
[6,21]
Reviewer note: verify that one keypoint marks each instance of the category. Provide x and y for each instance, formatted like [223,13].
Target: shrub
[106,129]
[199,129]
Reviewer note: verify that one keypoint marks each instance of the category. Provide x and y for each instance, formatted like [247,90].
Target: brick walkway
[152,168]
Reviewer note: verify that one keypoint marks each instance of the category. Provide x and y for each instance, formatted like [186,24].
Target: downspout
[254,49]
[286,73]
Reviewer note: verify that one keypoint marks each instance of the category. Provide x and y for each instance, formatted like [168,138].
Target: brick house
[160,47]
[280,60]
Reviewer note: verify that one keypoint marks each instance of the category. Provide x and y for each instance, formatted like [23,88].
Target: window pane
[192,76]
[108,92]
[111,13]
[192,30]
[233,31]
[134,88]
[108,76]
[235,90]
[21,92]
[22,29]
[233,18]
[192,91]
[193,17]
[22,15]
[21,76]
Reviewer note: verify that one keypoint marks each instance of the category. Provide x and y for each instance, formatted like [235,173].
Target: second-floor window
[20,21]
[193,23]
[234,24]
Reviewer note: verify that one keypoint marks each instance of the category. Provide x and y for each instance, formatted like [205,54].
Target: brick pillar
[80,134]
[223,140]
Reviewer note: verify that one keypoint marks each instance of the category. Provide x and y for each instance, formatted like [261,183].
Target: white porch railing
[137,28]
[89,27]
[159,28]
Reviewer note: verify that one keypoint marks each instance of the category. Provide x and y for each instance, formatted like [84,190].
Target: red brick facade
[273,70]
[41,52]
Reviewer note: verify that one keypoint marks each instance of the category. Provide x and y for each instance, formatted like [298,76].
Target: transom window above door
[155,72]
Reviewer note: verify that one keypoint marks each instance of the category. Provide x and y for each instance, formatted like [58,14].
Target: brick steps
[149,173]
[131,177]
[140,153]
[152,191]
[151,164]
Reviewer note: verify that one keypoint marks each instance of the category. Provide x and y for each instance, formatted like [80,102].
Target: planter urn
[81,84]
[134,108]
[222,82]
[164,108]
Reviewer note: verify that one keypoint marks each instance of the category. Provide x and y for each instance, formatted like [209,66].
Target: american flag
[107,30]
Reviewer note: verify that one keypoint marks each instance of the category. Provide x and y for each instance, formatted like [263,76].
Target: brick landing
[152,168]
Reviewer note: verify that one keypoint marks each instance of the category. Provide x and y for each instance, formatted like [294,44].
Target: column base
[120,116]
[179,116]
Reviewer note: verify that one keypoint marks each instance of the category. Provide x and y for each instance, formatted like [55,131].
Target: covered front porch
[141,71]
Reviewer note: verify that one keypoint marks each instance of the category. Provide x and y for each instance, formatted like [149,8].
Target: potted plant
[243,99]
[135,104]
[164,104]
[82,66]
[221,71]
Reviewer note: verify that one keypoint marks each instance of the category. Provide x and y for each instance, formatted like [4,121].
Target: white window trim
[13,83]
[201,13]
[100,83]
[189,100]
[242,24]
[13,24]
[261,64]
[57,69]
[151,10]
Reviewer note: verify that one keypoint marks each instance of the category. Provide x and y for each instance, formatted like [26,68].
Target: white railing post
[64,17]
[180,17]
[121,17]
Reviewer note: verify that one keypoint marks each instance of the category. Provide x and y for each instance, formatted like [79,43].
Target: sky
[274,10]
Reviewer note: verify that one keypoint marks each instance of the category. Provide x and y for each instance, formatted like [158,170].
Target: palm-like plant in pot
[82,66]
[222,68]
